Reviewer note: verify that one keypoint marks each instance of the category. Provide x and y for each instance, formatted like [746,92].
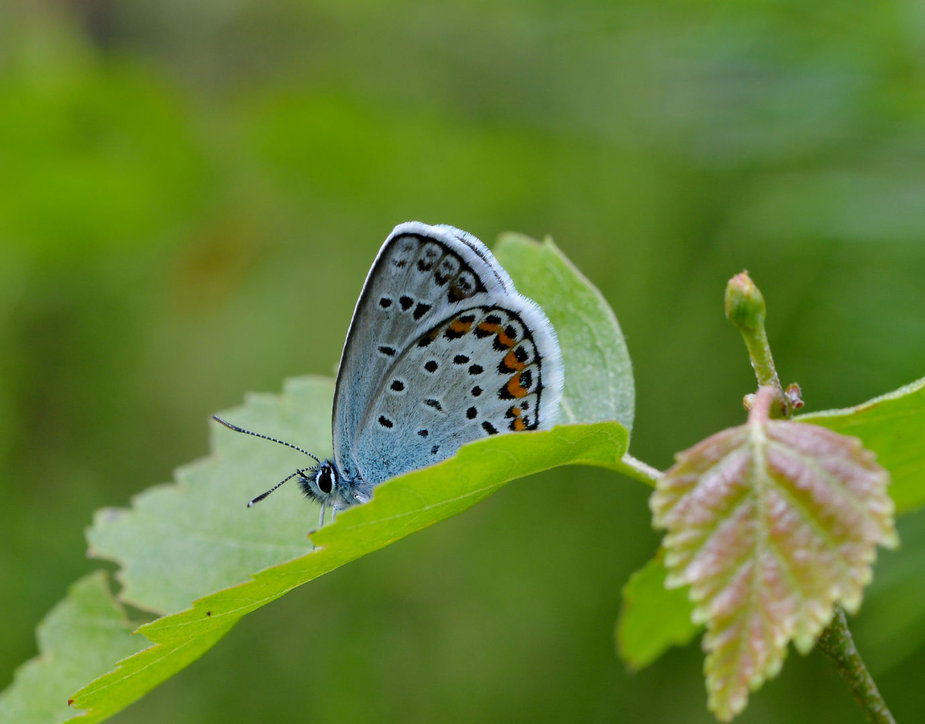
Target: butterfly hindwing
[488,368]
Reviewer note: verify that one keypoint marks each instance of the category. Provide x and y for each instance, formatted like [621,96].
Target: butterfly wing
[489,368]
[442,350]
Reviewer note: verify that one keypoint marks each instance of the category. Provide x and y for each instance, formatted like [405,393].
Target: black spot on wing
[430,255]
[449,267]
[465,285]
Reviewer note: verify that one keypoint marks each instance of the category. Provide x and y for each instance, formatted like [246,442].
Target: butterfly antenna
[265,437]
[264,495]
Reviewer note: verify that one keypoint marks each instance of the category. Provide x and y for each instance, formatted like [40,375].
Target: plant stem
[745,308]
[836,643]
[641,471]
[765,399]
[759,352]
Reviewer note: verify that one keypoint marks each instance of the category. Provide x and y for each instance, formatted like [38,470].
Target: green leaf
[653,617]
[400,507]
[893,426]
[182,541]
[770,524]
[593,348]
[84,634]
[195,541]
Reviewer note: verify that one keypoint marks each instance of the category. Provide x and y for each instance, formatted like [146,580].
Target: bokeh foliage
[191,194]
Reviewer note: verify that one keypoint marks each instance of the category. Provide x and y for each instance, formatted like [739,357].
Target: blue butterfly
[442,350]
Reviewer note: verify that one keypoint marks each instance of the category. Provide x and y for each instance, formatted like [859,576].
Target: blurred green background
[191,195]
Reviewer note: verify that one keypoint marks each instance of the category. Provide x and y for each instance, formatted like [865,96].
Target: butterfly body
[442,350]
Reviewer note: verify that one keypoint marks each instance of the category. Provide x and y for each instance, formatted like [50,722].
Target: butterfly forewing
[422,275]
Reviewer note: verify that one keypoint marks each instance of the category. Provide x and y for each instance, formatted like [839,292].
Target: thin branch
[641,471]
[745,308]
[836,643]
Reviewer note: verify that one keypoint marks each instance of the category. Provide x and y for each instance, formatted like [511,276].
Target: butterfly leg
[321,517]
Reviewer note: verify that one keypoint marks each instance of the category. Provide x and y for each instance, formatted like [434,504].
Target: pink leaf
[771,524]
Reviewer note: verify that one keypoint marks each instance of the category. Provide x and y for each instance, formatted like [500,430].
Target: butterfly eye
[325,480]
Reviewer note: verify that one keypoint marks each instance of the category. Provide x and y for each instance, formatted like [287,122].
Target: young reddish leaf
[770,523]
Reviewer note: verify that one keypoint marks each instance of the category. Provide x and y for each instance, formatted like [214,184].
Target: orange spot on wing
[489,327]
[518,422]
[512,363]
[459,326]
[505,340]
[515,388]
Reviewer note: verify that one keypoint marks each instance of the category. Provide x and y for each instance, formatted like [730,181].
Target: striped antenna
[271,439]
[288,477]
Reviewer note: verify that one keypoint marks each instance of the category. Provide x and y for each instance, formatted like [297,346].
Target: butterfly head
[325,485]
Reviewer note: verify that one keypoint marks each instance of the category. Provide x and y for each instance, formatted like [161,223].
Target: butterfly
[442,350]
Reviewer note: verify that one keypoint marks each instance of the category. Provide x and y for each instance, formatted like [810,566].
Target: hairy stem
[745,308]
[641,471]
[836,643]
